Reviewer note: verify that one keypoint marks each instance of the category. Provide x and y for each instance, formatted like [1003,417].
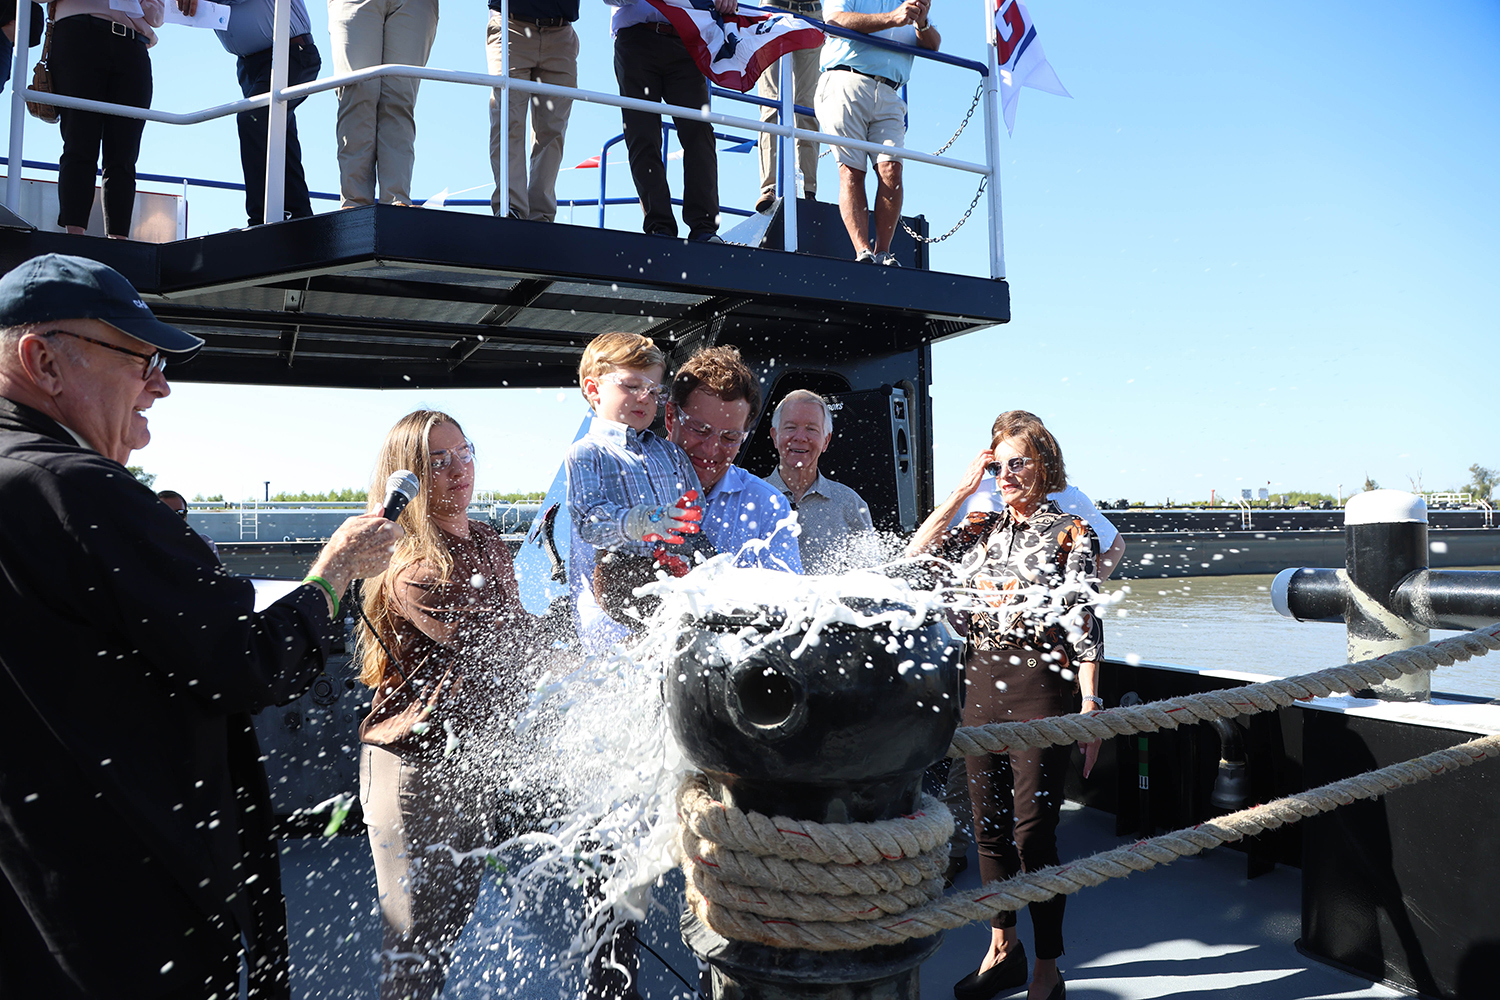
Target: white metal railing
[280,94]
[1245,512]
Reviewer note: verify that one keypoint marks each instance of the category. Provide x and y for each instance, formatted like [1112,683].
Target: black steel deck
[389,297]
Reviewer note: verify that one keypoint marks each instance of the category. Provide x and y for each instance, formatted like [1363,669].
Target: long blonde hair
[406,447]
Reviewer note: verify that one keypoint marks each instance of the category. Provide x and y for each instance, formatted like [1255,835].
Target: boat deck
[1194,928]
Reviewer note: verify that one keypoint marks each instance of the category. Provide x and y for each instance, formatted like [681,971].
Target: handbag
[41,78]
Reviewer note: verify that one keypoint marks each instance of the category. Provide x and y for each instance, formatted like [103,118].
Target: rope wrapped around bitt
[1265,696]
[785,869]
[736,911]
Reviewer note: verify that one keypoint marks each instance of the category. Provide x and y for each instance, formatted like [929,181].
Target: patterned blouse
[1041,575]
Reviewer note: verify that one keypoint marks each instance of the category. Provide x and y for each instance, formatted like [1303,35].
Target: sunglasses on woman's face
[1013,465]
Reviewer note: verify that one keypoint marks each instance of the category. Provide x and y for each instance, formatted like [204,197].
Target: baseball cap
[57,286]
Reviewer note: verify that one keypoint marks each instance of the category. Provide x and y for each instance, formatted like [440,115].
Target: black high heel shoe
[1006,974]
[1060,991]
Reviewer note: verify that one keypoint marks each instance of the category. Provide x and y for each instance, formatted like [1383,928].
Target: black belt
[799,6]
[542,22]
[300,40]
[850,69]
[113,27]
[660,27]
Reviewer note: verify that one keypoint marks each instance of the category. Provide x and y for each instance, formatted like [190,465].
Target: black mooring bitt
[1386,595]
[1433,598]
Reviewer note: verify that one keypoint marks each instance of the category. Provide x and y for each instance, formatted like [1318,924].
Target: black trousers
[656,67]
[255,78]
[1017,797]
[89,61]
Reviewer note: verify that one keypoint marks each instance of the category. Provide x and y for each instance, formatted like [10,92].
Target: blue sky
[1247,251]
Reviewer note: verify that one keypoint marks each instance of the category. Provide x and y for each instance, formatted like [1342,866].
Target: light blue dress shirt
[867,58]
[745,516]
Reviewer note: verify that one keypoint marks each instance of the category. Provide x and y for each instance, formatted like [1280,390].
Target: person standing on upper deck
[250,34]
[652,64]
[804,84]
[859,97]
[100,53]
[377,124]
[543,48]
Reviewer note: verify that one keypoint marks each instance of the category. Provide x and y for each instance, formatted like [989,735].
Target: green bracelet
[327,588]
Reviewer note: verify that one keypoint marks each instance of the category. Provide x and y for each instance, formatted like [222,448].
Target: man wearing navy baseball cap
[136,850]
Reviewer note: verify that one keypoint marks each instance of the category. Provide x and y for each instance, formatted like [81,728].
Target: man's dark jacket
[135,842]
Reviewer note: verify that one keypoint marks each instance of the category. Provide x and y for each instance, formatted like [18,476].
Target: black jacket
[135,822]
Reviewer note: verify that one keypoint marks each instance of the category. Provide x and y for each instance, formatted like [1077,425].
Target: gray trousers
[421,821]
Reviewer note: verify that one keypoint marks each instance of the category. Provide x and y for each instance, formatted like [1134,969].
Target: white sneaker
[887,259]
[866,257]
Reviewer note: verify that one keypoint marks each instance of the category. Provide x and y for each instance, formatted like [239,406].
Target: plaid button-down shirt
[613,468]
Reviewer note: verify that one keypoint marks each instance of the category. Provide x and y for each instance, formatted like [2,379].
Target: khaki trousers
[804,85]
[377,125]
[422,820]
[543,55]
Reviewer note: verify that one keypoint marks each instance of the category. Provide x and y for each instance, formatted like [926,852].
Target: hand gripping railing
[280,94]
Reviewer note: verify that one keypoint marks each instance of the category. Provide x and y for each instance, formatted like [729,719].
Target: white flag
[1022,62]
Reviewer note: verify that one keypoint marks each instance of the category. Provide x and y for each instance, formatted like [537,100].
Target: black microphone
[400,489]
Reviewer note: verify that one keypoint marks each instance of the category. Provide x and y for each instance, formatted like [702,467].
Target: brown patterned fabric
[1040,575]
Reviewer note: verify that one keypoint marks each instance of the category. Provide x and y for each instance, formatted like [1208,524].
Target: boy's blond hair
[610,351]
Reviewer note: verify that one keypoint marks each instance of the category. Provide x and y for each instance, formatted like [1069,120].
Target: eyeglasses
[1013,465]
[698,429]
[156,361]
[637,387]
[441,459]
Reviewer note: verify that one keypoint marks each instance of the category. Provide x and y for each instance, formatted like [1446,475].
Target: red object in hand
[673,564]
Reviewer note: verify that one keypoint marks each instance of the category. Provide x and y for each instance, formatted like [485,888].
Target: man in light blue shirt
[858,97]
[715,399]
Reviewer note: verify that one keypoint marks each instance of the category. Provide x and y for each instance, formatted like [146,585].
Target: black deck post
[1385,539]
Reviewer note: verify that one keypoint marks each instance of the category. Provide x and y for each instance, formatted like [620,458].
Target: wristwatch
[1098,701]
[926,27]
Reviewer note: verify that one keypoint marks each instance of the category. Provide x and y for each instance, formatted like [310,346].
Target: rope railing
[838,887]
[1265,696]
[747,921]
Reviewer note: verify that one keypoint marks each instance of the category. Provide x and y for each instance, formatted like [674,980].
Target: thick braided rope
[1265,696]
[983,903]
[797,840]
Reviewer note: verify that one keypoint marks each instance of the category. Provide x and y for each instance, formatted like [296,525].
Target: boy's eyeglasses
[443,458]
[156,361]
[1013,465]
[636,386]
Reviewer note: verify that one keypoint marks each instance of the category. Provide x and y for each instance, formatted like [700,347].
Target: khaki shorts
[860,107]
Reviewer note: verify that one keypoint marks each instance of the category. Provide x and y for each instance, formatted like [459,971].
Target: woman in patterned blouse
[1035,641]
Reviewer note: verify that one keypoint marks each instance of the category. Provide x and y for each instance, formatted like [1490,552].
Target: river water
[1227,623]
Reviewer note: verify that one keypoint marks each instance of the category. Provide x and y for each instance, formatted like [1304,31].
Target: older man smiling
[837,534]
[136,847]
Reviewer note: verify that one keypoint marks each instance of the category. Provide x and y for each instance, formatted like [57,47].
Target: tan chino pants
[804,86]
[544,55]
[377,125]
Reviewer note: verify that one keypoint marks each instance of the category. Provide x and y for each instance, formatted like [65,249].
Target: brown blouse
[1044,577]
[460,642]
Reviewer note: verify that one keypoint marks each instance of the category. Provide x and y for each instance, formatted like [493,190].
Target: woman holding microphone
[444,661]
[1035,644]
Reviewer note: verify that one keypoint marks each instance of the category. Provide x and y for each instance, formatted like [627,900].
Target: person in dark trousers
[249,36]
[8,34]
[652,63]
[99,53]
[136,850]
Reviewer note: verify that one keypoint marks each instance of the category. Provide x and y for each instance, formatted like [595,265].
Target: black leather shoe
[1060,991]
[1007,974]
[957,865]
